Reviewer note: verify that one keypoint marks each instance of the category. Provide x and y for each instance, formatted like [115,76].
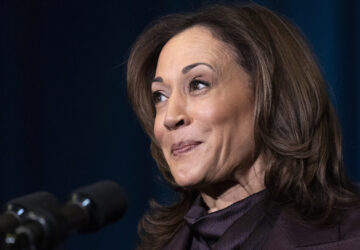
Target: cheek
[212,113]
[158,129]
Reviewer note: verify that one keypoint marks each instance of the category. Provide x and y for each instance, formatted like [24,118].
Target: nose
[176,115]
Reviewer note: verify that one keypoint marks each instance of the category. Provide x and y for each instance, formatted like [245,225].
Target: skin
[205,118]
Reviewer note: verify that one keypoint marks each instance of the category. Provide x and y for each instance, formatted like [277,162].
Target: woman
[242,127]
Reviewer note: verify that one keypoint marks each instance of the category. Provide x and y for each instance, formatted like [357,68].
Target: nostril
[174,124]
[180,123]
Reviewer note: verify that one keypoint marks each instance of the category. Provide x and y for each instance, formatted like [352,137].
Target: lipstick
[183,147]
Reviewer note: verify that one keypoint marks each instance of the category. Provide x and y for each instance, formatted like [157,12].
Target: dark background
[65,120]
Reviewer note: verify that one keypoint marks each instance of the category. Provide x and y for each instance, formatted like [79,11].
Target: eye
[157,97]
[196,85]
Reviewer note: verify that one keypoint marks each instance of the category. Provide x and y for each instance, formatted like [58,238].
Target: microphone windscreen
[16,210]
[40,209]
[34,201]
[108,203]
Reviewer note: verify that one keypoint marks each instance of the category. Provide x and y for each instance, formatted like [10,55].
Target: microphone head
[33,201]
[105,202]
[40,209]
[17,210]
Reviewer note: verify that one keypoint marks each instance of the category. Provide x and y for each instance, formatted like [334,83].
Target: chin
[188,173]
[187,181]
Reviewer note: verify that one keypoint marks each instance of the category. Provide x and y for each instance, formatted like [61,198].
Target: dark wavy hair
[296,128]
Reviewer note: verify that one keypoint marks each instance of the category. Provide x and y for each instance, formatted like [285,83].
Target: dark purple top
[256,223]
[207,228]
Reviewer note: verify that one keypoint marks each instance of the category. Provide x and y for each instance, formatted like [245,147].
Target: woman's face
[204,109]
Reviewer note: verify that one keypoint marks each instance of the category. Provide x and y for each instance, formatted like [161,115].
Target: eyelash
[197,82]
[156,95]
[193,86]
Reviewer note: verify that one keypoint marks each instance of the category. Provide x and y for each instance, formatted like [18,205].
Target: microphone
[16,210]
[39,207]
[92,207]
[89,209]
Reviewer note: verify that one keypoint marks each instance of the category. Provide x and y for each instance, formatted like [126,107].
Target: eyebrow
[191,66]
[157,79]
[185,70]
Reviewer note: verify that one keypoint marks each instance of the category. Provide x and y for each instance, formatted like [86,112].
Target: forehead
[195,44]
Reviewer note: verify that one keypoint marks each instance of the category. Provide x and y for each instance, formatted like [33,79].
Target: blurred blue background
[65,118]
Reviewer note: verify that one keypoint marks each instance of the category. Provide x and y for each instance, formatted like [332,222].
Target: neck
[243,185]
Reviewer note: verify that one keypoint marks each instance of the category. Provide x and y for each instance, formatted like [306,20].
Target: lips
[183,147]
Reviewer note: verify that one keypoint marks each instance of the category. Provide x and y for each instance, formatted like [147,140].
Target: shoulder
[350,226]
[290,233]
